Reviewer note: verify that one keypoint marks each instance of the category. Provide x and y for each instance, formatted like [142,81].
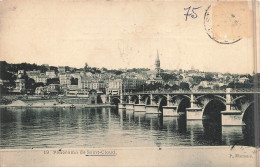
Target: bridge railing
[176,91]
[245,90]
[196,91]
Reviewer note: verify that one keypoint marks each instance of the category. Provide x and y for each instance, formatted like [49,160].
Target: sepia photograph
[129,83]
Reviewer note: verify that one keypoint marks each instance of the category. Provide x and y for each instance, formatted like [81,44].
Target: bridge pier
[129,106]
[231,117]
[194,113]
[170,111]
[228,99]
[121,105]
[151,99]
[152,109]
[139,107]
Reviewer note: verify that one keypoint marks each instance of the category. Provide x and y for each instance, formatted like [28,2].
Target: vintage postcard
[129,83]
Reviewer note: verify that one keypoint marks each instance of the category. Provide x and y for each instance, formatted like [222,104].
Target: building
[40,90]
[132,84]
[65,79]
[124,85]
[37,76]
[243,79]
[19,85]
[20,72]
[114,87]
[61,69]
[204,84]
[96,85]
[51,74]
[41,78]
[33,74]
[53,89]
[2,82]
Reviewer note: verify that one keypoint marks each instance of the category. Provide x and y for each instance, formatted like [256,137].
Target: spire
[157,58]
[157,65]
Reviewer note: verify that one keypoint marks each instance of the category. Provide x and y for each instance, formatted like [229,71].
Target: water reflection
[110,127]
[212,131]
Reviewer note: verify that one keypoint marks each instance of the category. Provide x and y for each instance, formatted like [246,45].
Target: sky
[117,34]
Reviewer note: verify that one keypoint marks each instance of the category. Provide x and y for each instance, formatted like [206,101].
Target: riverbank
[51,104]
[37,100]
[63,102]
[61,106]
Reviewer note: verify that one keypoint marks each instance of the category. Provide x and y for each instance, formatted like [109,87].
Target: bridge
[231,106]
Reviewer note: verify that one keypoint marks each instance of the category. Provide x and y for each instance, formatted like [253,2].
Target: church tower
[157,73]
[157,66]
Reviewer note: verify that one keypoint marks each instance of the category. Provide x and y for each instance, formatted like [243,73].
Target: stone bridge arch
[126,99]
[184,103]
[203,100]
[206,106]
[135,99]
[162,102]
[161,98]
[147,100]
[235,99]
[248,115]
[212,110]
[245,105]
[241,102]
[156,99]
[115,100]
[181,102]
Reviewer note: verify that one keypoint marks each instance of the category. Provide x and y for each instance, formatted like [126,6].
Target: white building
[41,78]
[51,74]
[243,79]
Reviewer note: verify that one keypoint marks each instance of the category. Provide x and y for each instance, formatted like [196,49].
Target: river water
[110,127]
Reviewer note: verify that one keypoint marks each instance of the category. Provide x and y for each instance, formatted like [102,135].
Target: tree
[184,86]
[167,77]
[216,87]
[43,69]
[53,81]
[209,77]
[86,67]
[3,90]
[104,69]
[54,69]
[5,100]
[236,85]
[74,81]
[175,87]
[38,84]
[200,88]
[95,70]
[118,72]
[167,86]
[197,79]
[67,68]
[223,87]
[29,83]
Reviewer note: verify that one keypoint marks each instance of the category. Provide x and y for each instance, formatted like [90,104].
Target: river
[110,127]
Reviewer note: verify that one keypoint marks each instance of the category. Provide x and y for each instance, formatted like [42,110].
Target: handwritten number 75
[192,14]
